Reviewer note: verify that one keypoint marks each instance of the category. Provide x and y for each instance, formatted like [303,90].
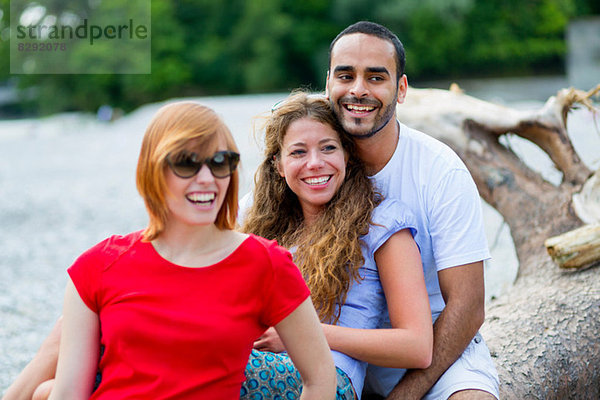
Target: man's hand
[269,341]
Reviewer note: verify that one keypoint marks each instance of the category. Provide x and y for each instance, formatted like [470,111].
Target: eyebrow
[329,139]
[322,141]
[349,68]
[382,70]
[343,68]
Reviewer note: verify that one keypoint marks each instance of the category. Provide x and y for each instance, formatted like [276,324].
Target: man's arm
[463,291]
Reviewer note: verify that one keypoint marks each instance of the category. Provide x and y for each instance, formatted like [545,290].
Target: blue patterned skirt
[274,376]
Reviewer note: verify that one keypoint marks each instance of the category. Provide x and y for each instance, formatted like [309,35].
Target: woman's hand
[270,341]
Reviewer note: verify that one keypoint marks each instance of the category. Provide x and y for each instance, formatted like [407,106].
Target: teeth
[201,197]
[353,107]
[317,181]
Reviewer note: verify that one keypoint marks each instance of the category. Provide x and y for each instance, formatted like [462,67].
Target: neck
[180,235]
[190,245]
[376,151]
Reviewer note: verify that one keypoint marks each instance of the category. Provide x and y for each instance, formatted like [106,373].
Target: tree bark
[543,333]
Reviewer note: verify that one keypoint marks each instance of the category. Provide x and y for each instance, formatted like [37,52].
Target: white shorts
[473,370]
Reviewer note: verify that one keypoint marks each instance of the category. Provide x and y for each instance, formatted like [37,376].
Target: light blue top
[365,301]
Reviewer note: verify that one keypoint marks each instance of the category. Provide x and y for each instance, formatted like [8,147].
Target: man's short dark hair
[380,31]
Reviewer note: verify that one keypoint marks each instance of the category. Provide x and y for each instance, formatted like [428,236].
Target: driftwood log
[543,333]
[578,248]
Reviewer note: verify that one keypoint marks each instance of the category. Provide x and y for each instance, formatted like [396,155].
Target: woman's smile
[313,163]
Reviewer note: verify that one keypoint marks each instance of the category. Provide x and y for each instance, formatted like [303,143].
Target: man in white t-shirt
[365,82]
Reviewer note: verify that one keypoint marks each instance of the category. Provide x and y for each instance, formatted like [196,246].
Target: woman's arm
[303,338]
[40,369]
[410,341]
[79,349]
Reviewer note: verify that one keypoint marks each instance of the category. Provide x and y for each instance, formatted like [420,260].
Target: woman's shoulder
[391,211]
[389,217]
[269,245]
[111,248]
[268,249]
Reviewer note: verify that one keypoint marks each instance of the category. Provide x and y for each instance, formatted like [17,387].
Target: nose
[359,89]
[315,160]
[204,175]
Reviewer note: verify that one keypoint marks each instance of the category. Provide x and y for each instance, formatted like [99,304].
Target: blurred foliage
[202,47]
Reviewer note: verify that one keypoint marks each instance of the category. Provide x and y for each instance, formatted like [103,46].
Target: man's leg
[472,376]
[39,370]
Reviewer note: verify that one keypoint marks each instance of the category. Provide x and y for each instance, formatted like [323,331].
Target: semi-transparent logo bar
[80,37]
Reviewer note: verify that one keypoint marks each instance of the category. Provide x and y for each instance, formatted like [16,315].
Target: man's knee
[472,394]
[42,392]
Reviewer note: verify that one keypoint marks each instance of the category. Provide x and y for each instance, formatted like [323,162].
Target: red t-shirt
[182,333]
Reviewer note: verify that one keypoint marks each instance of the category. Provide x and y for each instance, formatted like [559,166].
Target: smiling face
[196,200]
[313,163]
[362,84]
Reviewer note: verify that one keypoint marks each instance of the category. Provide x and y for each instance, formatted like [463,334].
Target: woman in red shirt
[178,305]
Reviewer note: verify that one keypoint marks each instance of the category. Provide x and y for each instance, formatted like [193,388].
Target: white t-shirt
[433,182]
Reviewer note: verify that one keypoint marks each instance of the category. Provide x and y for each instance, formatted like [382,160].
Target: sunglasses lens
[184,166]
[223,163]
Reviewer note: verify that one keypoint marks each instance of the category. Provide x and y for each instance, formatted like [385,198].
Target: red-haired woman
[178,305]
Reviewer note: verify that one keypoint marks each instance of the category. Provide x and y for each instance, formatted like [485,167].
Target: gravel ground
[67,182]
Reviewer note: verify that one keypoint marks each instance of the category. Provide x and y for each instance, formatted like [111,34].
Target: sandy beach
[67,182]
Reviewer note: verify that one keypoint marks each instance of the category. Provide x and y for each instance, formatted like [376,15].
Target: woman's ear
[277,163]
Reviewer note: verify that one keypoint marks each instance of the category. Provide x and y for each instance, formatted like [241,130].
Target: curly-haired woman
[355,251]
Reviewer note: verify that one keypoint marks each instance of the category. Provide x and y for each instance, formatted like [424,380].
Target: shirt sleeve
[389,217]
[287,289]
[456,221]
[86,276]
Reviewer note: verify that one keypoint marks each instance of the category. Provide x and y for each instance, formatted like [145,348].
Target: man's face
[362,84]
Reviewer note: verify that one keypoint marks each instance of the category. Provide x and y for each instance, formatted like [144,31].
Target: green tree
[202,47]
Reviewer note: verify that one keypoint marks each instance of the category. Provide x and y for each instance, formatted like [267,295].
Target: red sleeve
[86,272]
[86,275]
[286,289]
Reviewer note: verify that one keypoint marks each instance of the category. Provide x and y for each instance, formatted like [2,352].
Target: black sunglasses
[186,165]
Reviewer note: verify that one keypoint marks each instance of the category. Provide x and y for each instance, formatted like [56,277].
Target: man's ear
[327,85]
[402,88]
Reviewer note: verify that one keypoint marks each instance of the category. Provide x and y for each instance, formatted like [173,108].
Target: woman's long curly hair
[328,252]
